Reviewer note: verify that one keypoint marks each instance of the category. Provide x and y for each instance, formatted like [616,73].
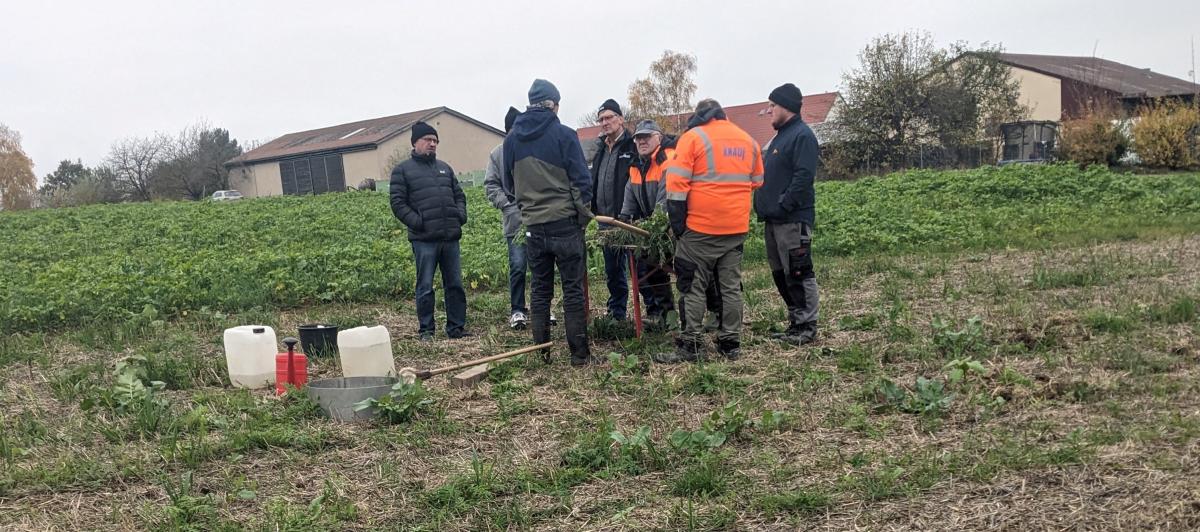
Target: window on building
[312,175]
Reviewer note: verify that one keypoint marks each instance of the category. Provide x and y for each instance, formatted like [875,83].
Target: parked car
[226,195]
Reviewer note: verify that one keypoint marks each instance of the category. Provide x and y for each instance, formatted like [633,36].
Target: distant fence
[835,165]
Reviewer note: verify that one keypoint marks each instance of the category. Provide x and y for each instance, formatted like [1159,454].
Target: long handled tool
[618,223]
[424,374]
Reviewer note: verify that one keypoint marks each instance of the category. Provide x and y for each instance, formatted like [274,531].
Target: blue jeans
[618,285]
[444,256]
[518,264]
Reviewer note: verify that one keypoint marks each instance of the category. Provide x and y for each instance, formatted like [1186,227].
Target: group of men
[707,180]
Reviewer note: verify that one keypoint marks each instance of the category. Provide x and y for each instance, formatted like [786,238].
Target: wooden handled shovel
[424,374]
[617,223]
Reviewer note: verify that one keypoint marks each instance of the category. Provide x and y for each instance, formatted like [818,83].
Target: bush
[1094,139]
[1166,135]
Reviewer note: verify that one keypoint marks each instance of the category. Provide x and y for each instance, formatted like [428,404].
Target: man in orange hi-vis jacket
[710,182]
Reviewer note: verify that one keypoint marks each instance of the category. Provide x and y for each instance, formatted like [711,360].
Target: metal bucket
[338,396]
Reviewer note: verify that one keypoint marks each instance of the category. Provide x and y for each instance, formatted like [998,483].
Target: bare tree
[667,91]
[587,119]
[194,163]
[134,161]
[17,181]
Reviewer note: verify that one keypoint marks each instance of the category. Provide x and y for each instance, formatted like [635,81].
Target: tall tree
[134,161]
[908,94]
[68,174]
[17,181]
[666,91]
[194,166]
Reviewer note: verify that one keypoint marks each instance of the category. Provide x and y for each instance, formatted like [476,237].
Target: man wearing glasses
[615,153]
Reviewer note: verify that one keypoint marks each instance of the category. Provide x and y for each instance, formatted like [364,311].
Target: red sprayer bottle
[290,367]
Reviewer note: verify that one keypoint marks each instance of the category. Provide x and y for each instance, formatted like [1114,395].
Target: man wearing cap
[544,173]
[615,153]
[427,198]
[710,181]
[646,192]
[786,203]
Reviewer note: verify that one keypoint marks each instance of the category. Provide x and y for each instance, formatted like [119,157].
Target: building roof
[363,134]
[751,117]
[1128,81]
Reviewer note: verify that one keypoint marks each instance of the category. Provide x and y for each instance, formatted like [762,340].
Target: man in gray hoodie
[518,263]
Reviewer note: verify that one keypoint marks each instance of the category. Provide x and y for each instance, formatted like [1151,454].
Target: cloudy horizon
[78,77]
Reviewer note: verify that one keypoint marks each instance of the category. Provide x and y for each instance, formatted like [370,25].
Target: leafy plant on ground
[622,368]
[638,449]
[958,342]
[928,397]
[960,369]
[404,402]
[707,379]
[328,511]
[720,426]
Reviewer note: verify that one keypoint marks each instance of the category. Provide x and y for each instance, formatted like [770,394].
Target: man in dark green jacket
[786,202]
[545,175]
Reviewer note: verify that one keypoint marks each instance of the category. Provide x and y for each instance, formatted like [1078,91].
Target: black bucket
[319,340]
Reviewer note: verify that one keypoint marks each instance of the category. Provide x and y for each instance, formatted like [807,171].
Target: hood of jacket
[534,123]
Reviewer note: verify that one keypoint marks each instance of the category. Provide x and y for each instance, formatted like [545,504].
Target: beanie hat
[787,96]
[610,105]
[509,118]
[420,129]
[543,90]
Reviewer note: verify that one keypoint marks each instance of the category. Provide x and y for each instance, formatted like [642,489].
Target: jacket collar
[789,123]
[427,159]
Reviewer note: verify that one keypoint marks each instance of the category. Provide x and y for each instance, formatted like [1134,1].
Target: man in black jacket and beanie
[427,198]
[786,203]
[615,153]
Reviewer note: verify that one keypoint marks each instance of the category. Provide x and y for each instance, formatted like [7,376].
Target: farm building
[332,158]
[1056,88]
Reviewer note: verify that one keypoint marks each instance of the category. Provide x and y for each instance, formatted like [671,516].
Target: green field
[1000,348]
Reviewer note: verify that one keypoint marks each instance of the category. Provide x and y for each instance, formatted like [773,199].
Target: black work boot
[731,349]
[792,330]
[685,351]
[805,333]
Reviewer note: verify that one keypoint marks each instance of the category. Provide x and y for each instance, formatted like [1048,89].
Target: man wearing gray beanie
[545,175]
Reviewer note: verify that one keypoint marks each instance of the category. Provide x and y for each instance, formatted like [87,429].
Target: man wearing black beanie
[615,153]
[786,203]
[427,198]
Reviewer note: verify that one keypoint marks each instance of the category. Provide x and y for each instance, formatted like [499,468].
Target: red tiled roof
[345,136]
[750,117]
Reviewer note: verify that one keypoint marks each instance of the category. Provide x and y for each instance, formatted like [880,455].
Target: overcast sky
[77,76]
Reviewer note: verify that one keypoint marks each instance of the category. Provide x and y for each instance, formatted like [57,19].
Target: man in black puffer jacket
[426,197]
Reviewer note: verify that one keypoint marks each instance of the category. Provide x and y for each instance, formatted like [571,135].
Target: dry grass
[1098,430]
